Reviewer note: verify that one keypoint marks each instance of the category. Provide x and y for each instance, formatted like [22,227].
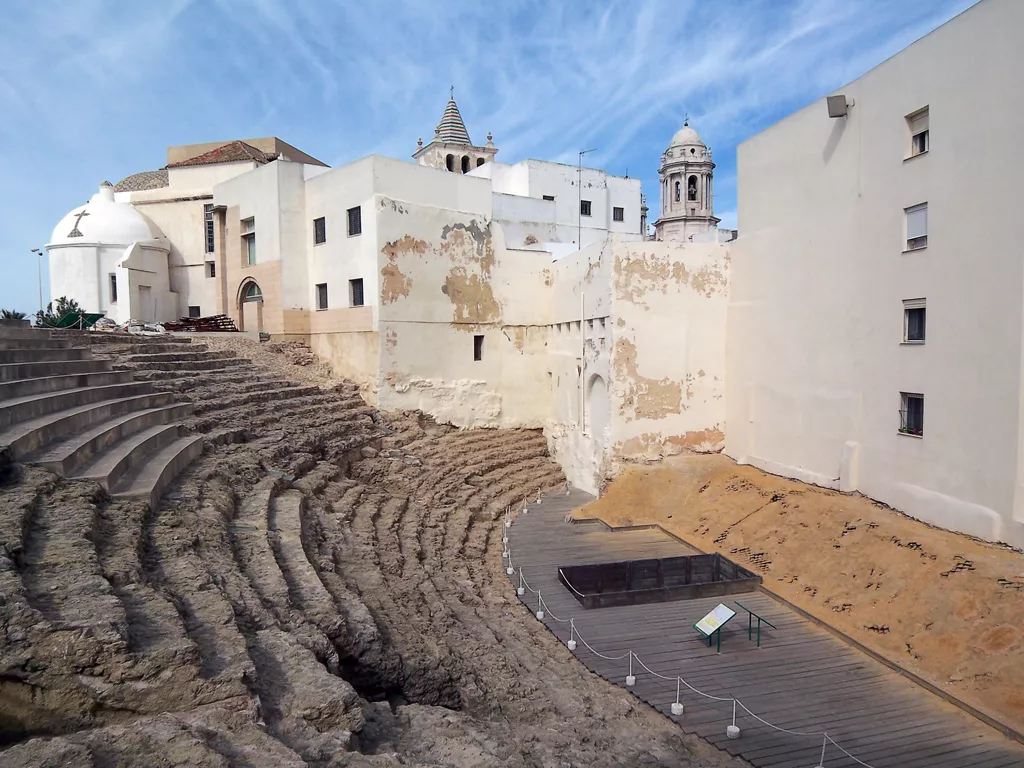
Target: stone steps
[205,364]
[178,356]
[43,384]
[12,371]
[29,436]
[39,354]
[79,450]
[29,407]
[39,343]
[159,470]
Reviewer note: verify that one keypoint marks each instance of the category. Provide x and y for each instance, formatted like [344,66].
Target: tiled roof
[232,152]
[451,129]
[138,182]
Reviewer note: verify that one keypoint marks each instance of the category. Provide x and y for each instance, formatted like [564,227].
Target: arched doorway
[596,419]
[250,306]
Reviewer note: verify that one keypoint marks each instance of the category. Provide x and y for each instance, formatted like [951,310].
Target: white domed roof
[685,137]
[102,220]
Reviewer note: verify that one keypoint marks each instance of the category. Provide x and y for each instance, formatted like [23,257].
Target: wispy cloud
[98,88]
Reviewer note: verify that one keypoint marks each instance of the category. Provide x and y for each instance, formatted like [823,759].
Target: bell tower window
[449,162]
[691,188]
[678,185]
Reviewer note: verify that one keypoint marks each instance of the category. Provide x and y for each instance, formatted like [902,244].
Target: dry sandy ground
[945,606]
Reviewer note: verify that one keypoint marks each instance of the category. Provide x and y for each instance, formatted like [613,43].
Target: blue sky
[97,89]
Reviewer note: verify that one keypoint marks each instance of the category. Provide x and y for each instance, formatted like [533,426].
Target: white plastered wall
[815,361]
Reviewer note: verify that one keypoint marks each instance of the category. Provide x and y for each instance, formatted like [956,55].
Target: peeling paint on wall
[468,248]
[636,276]
[654,445]
[643,398]
[391,338]
[395,284]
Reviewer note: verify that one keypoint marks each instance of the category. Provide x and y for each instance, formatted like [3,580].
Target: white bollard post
[572,635]
[521,589]
[630,678]
[677,706]
[732,731]
[540,607]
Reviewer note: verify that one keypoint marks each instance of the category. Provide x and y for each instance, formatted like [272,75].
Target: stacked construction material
[210,324]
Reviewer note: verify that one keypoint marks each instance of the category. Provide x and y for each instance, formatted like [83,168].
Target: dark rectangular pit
[635,582]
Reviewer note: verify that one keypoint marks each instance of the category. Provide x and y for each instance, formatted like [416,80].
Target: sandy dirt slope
[322,587]
[945,606]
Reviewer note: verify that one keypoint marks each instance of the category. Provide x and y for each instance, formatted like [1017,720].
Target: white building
[455,285]
[857,228]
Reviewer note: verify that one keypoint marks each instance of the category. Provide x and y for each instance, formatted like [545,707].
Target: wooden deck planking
[802,678]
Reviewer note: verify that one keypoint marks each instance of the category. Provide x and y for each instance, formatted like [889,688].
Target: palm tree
[11,314]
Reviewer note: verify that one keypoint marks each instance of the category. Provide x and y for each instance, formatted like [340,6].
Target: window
[691,188]
[194,312]
[913,321]
[678,187]
[549,197]
[355,221]
[478,348]
[211,269]
[917,227]
[449,162]
[355,292]
[465,164]
[208,226]
[319,231]
[911,414]
[113,289]
[918,124]
[252,292]
[321,295]
[249,240]
[618,214]
[479,162]
[584,207]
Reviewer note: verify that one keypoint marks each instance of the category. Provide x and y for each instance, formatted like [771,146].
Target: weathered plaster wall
[445,278]
[670,302]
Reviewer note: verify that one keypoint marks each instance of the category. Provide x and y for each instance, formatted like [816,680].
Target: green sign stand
[712,624]
[750,622]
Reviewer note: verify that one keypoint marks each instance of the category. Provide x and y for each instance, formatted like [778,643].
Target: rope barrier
[574,635]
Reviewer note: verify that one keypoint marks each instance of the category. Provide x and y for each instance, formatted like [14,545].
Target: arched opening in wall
[449,162]
[595,420]
[465,163]
[250,306]
[479,162]
[691,188]
[678,187]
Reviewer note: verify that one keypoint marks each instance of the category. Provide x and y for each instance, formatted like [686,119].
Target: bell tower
[687,188]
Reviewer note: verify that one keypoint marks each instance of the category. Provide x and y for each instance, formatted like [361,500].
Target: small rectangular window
[319,231]
[321,295]
[355,292]
[355,221]
[913,321]
[584,207]
[113,289]
[208,226]
[917,227]
[249,240]
[918,124]
[618,214]
[194,312]
[911,414]
[478,347]
[211,269]
[549,197]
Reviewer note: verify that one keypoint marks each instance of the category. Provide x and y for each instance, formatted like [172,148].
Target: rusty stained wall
[445,278]
[668,359]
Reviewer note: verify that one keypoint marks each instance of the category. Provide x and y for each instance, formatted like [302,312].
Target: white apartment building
[875,338]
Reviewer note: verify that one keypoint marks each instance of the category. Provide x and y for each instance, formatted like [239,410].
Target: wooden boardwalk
[801,679]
